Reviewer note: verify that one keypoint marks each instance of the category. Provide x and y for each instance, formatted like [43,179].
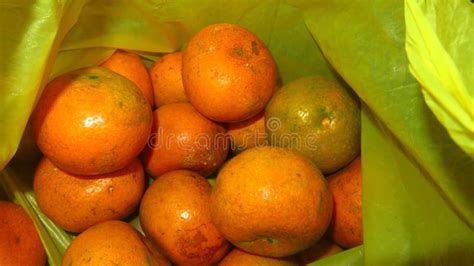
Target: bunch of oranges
[288,186]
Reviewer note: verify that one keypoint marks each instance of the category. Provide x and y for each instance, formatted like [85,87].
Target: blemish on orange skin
[91,126]
[192,142]
[174,213]
[76,202]
[124,246]
[237,93]
[266,201]
[167,80]
[20,243]
[132,67]
[346,186]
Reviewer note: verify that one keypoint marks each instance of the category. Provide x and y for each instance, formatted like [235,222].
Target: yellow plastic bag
[417,182]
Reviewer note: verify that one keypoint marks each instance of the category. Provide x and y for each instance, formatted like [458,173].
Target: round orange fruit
[318,117]
[174,214]
[132,67]
[182,138]
[76,202]
[228,73]
[91,121]
[247,134]
[238,257]
[271,201]
[167,80]
[19,241]
[346,186]
[109,243]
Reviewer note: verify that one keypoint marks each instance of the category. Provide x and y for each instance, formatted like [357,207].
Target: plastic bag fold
[417,174]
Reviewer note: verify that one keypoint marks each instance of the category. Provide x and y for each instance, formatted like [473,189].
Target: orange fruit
[76,202]
[317,117]
[174,214]
[91,121]
[19,241]
[238,257]
[247,134]
[346,187]
[132,67]
[109,243]
[228,73]
[167,80]
[182,138]
[321,249]
[271,201]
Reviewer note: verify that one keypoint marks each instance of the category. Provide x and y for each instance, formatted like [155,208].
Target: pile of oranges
[286,159]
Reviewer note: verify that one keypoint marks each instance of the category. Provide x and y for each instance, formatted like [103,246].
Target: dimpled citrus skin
[91,121]
[182,138]
[271,201]
[174,214]
[167,80]
[76,202]
[107,244]
[346,187]
[228,73]
[238,257]
[132,67]
[248,133]
[322,114]
[19,242]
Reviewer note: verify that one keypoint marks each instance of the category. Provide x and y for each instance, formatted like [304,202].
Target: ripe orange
[346,187]
[317,117]
[76,202]
[321,249]
[182,138]
[91,121]
[19,242]
[271,201]
[167,80]
[109,243]
[132,67]
[174,214]
[247,134]
[238,257]
[228,73]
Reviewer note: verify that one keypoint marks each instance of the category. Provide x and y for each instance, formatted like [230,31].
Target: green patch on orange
[318,117]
